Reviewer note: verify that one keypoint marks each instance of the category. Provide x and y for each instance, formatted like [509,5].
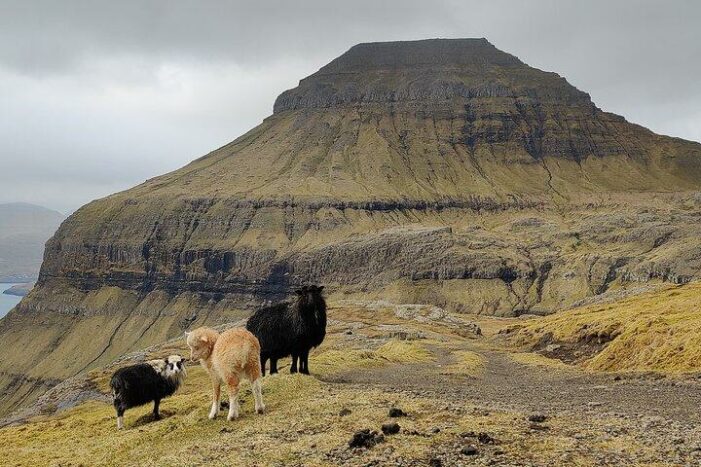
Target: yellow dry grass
[465,362]
[393,351]
[656,331]
[535,359]
[302,426]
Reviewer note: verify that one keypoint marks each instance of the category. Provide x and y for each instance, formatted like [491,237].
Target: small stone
[390,428]
[349,332]
[344,411]
[436,430]
[484,438]
[395,412]
[469,450]
[537,418]
[617,378]
[468,434]
[226,430]
[435,462]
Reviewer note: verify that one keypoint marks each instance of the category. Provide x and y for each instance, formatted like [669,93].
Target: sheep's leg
[233,383]
[120,412]
[254,376]
[258,396]
[304,362]
[156,415]
[263,360]
[216,388]
[273,365]
[120,416]
[293,368]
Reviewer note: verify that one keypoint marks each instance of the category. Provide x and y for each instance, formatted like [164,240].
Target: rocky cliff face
[439,171]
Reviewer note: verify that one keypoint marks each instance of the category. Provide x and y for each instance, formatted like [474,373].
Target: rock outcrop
[439,171]
[19,290]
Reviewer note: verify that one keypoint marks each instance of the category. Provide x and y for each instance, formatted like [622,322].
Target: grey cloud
[100,95]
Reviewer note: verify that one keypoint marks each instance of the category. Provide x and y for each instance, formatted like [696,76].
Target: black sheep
[142,383]
[290,329]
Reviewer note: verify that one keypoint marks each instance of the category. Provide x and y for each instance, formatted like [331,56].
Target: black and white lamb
[142,383]
[290,328]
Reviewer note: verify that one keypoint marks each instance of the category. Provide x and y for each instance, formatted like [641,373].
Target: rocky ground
[660,413]
[392,385]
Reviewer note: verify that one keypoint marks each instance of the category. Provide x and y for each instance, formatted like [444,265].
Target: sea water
[7,302]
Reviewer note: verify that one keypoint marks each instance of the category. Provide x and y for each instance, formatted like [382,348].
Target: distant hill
[24,228]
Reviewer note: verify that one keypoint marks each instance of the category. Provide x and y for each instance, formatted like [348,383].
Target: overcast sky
[97,96]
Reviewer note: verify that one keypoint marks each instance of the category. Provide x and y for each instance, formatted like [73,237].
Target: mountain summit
[427,73]
[440,171]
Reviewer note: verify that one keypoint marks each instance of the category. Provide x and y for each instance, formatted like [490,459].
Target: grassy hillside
[654,331]
[377,356]
[302,412]
[302,427]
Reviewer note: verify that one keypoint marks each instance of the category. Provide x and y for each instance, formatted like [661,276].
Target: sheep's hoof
[231,418]
[260,410]
[212,416]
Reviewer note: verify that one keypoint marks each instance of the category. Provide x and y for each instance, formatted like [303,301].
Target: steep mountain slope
[24,228]
[438,171]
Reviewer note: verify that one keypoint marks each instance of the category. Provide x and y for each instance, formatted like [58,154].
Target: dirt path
[510,385]
[661,415]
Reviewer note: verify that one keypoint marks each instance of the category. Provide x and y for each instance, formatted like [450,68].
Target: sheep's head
[171,367]
[201,341]
[310,295]
[175,367]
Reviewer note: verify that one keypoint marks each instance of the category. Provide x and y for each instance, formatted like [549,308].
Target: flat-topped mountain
[425,73]
[440,171]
